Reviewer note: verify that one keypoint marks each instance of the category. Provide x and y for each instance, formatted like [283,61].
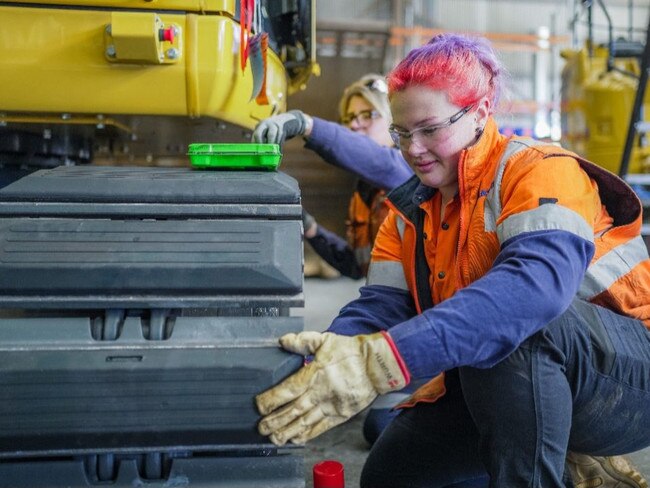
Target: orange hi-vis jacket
[510,187]
[366,212]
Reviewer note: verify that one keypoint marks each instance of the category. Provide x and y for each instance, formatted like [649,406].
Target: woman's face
[364,119]
[447,129]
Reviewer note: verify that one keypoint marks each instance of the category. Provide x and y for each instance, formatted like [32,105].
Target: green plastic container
[235,156]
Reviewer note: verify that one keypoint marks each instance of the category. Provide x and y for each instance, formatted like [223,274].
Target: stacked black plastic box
[140,314]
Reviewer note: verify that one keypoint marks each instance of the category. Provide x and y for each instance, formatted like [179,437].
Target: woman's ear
[482,113]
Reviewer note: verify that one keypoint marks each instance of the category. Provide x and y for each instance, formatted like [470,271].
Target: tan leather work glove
[346,375]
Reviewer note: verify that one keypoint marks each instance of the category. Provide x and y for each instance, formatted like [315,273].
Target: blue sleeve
[534,279]
[377,308]
[336,252]
[380,166]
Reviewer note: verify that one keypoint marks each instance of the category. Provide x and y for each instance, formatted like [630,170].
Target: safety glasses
[403,138]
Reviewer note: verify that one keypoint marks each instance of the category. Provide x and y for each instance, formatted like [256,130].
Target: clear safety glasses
[403,138]
[363,118]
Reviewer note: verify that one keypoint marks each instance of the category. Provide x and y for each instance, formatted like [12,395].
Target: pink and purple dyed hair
[467,68]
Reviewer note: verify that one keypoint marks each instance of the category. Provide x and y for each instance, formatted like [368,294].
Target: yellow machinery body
[597,105]
[141,78]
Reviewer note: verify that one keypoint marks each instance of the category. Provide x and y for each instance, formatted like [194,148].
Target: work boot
[603,472]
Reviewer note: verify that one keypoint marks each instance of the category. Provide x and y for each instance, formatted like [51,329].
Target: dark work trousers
[582,384]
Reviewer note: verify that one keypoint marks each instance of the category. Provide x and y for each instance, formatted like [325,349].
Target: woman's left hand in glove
[345,376]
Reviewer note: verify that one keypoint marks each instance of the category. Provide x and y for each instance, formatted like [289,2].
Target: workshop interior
[152,253]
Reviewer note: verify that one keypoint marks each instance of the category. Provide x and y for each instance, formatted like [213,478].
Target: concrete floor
[323,299]
[345,443]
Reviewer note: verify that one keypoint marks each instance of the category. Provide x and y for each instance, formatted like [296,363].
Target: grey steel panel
[277,471]
[150,210]
[81,263]
[231,302]
[153,185]
[63,392]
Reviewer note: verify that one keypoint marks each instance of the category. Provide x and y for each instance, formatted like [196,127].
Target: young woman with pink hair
[513,273]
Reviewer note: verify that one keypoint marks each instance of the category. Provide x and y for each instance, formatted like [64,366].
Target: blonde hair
[372,88]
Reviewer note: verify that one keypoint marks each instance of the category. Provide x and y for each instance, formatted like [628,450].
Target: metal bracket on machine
[108,327]
[106,467]
[143,38]
[157,325]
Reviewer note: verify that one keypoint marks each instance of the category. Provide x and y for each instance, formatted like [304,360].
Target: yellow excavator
[136,81]
[145,303]
[599,85]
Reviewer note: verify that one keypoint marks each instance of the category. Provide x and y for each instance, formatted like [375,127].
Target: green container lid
[235,156]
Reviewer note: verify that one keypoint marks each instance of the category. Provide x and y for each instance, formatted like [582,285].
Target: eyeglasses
[363,118]
[403,138]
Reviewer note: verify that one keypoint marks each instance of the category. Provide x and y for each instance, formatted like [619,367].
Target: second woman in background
[363,109]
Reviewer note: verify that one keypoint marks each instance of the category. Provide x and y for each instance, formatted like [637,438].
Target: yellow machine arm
[141,78]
